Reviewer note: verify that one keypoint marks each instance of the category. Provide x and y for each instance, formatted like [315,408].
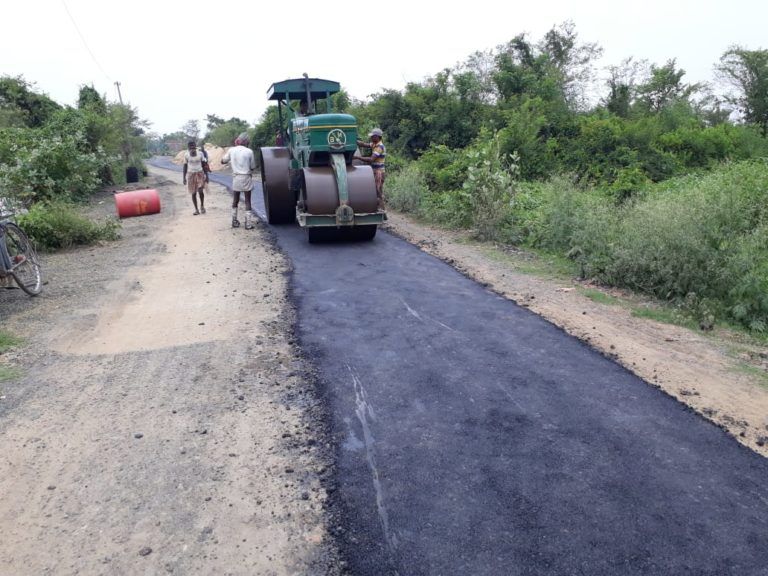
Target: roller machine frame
[312,179]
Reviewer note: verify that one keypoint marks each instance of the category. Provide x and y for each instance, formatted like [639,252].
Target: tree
[265,129]
[225,133]
[16,94]
[89,98]
[747,72]
[622,86]
[482,66]
[557,70]
[573,61]
[665,87]
[191,129]
[212,121]
[522,71]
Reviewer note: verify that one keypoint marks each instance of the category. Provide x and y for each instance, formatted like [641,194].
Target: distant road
[474,438]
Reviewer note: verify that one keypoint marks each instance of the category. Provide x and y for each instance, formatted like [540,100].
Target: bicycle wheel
[25,268]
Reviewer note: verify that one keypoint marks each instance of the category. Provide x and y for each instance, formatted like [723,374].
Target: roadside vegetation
[640,179]
[53,157]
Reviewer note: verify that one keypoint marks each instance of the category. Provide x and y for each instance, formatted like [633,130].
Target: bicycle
[18,258]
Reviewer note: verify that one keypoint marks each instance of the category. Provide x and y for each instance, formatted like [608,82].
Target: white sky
[178,61]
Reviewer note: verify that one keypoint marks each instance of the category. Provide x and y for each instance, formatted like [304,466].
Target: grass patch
[665,316]
[533,263]
[8,341]
[758,374]
[8,373]
[600,297]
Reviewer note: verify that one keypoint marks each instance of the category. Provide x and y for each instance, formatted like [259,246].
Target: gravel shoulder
[163,420]
[718,374]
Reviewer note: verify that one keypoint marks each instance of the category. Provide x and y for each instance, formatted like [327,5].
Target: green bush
[58,225]
[406,189]
[469,188]
[443,168]
[450,208]
[522,136]
[37,166]
[490,187]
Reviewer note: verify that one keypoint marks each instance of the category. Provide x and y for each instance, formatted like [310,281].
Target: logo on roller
[337,138]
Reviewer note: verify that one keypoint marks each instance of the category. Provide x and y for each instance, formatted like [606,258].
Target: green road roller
[309,176]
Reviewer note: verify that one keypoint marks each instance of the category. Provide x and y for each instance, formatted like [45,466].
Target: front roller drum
[320,197]
[321,194]
[279,201]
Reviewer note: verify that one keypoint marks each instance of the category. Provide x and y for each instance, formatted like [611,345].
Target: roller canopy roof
[296,89]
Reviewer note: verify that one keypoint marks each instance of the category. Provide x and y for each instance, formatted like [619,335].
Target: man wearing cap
[243,163]
[376,160]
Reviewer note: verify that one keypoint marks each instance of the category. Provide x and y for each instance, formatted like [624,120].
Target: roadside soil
[162,420]
[719,374]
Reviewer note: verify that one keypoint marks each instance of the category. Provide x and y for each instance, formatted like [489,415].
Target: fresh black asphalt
[474,438]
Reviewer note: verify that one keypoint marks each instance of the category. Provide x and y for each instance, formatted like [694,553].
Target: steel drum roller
[321,193]
[279,201]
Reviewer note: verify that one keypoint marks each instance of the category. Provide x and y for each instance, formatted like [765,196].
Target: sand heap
[214,156]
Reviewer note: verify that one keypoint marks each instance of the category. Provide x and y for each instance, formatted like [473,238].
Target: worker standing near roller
[376,160]
[243,163]
[194,175]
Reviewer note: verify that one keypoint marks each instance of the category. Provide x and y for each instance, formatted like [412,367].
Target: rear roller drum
[279,201]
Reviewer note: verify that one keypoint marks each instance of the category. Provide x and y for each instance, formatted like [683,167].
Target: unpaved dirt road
[161,423]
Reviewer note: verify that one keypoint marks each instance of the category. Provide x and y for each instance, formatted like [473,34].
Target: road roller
[309,177]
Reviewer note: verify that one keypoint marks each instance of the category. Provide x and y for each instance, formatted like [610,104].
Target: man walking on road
[243,163]
[194,175]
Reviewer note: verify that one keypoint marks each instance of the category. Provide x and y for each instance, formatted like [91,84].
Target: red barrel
[137,203]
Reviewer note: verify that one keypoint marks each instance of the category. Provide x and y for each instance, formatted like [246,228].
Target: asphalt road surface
[474,438]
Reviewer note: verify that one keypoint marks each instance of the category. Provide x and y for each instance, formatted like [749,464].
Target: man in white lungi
[240,158]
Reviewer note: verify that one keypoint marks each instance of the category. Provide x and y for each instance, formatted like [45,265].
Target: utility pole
[126,144]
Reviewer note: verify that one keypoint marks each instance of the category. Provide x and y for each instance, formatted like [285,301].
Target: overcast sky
[177,61]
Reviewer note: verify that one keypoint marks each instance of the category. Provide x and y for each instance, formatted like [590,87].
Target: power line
[77,28]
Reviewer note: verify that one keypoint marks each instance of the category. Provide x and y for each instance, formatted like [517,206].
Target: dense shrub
[406,189]
[58,225]
[443,168]
[490,187]
[36,166]
[700,241]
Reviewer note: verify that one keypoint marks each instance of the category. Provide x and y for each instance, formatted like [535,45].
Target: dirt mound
[214,156]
